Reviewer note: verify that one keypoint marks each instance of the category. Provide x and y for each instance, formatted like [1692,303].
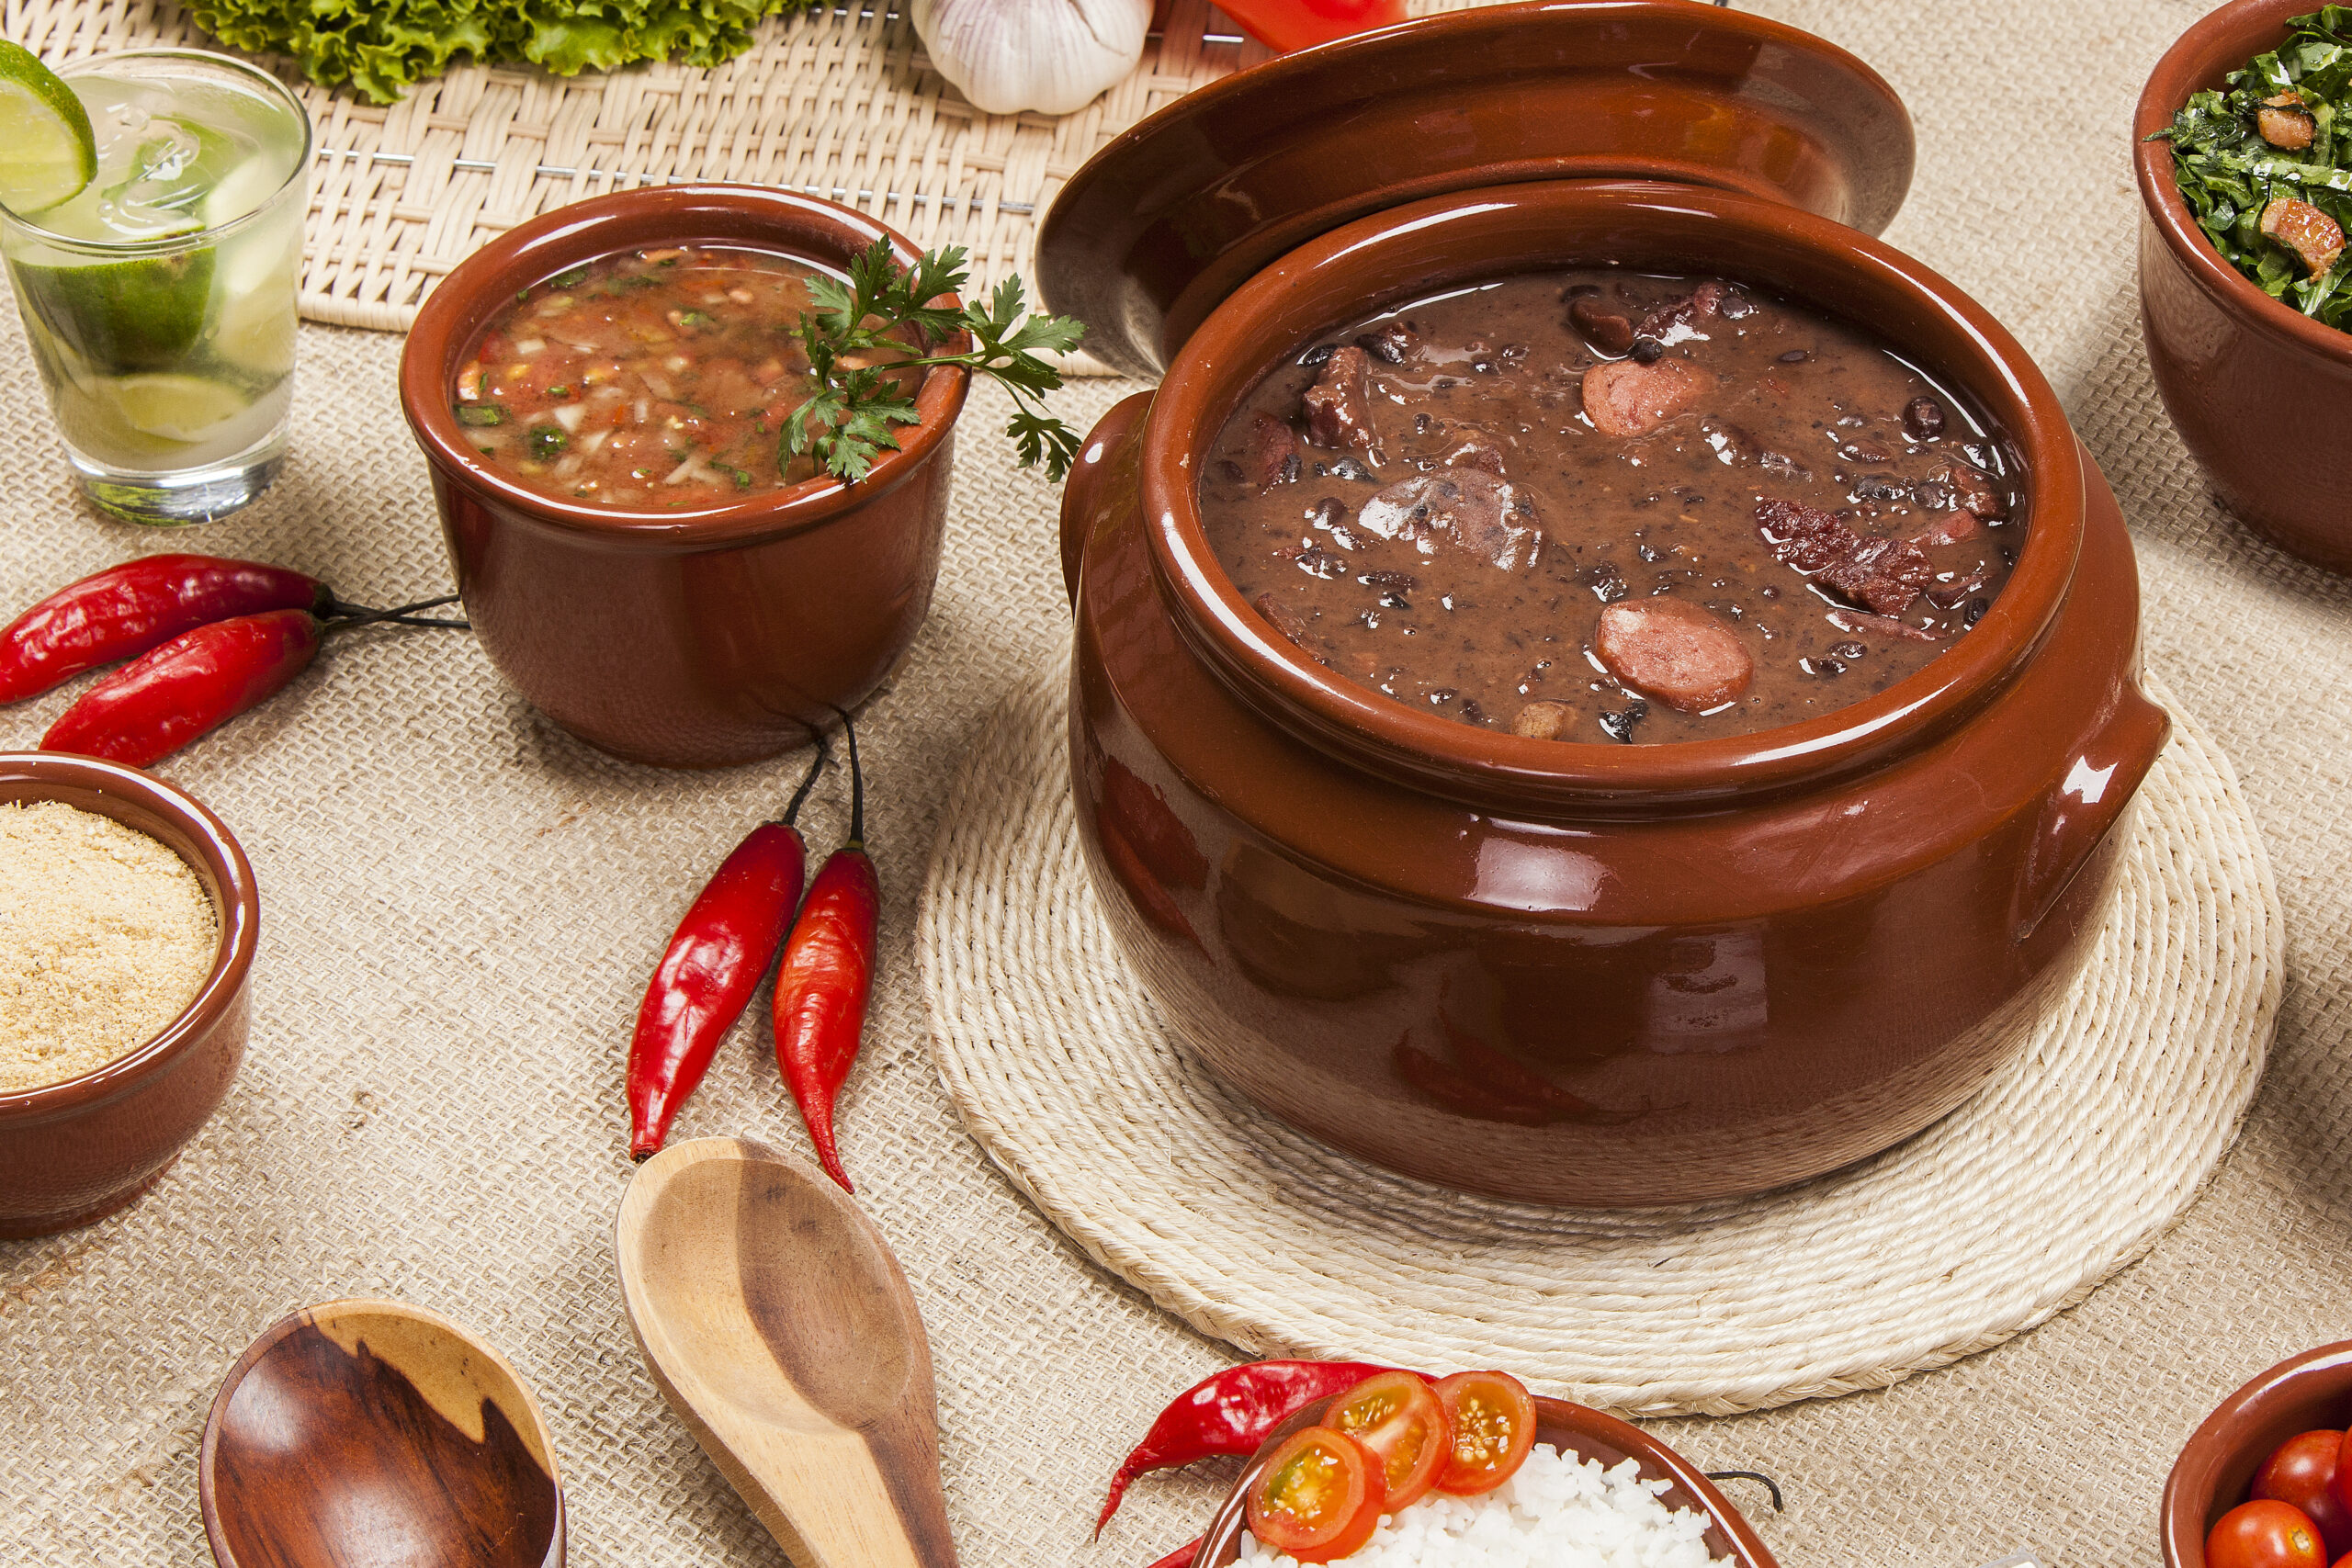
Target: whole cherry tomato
[1320,1497]
[1398,1417]
[1493,1419]
[2301,1472]
[2264,1533]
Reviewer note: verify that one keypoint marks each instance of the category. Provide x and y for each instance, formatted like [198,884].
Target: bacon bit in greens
[846,424]
[2267,172]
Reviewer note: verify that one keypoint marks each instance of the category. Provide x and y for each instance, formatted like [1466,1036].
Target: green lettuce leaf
[380,47]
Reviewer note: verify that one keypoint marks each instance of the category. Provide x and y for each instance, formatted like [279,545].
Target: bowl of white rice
[1595,1493]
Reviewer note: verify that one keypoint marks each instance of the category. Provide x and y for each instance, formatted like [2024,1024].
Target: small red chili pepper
[169,695]
[1284,24]
[828,971]
[1231,1412]
[721,950]
[1182,1556]
[126,610]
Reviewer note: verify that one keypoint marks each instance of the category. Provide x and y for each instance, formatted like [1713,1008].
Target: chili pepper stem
[857,788]
[353,615]
[791,817]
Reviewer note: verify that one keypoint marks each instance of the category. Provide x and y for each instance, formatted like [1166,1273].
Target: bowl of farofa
[77,1147]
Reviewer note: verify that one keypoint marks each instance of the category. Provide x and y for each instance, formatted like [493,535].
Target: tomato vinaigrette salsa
[655,380]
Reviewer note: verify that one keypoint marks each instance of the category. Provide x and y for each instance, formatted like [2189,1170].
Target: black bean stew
[1590,506]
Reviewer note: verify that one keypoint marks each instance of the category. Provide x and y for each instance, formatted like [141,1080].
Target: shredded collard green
[2228,174]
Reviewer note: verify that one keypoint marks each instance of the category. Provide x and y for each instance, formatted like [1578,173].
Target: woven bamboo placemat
[838,101]
[2066,1167]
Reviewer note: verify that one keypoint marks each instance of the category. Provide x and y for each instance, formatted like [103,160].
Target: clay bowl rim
[1553,1418]
[209,1449]
[1439,34]
[2222,1439]
[2198,58]
[236,906]
[1499,771]
[478,286]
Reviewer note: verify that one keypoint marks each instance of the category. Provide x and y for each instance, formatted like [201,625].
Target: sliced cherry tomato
[1320,1497]
[1398,1417]
[2301,1472]
[1492,1417]
[2264,1533]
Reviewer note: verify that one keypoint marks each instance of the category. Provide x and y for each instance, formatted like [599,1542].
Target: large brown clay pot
[2261,393]
[1593,973]
[685,639]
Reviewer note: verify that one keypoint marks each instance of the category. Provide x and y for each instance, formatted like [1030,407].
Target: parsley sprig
[847,422]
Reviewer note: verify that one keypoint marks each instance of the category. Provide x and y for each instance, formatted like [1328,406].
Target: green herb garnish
[2229,172]
[481,416]
[846,424]
[547,440]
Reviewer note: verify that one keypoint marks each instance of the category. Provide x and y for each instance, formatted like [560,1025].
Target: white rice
[1557,1512]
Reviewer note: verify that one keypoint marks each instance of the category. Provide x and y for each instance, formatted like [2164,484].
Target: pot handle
[1111,447]
[2090,800]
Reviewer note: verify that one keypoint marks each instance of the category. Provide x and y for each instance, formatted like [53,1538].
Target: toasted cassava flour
[105,936]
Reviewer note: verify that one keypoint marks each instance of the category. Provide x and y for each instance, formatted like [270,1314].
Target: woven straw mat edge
[837,102]
[2063,1170]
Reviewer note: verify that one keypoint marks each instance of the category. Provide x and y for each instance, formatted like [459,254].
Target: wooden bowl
[2301,1393]
[2261,393]
[373,1432]
[1562,1424]
[76,1151]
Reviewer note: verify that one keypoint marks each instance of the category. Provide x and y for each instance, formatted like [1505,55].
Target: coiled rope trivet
[2065,1168]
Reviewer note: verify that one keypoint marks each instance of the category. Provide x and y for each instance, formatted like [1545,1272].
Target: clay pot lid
[1169,218]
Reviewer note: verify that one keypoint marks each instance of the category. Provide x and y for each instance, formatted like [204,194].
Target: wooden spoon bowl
[376,1434]
[777,1325]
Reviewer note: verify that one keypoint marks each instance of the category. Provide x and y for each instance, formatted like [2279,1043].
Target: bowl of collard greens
[2244,151]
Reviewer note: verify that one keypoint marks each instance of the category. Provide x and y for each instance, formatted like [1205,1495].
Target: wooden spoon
[376,1434]
[777,1325]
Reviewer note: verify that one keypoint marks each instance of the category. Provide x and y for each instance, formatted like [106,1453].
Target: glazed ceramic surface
[2300,1394]
[1177,212]
[1564,1426]
[74,1152]
[692,638]
[2261,393]
[1596,974]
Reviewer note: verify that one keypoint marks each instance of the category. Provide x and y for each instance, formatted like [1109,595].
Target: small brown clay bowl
[2301,1393]
[373,1432]
[696,638]
[76,1151]
[2261,393]
[1564,1426]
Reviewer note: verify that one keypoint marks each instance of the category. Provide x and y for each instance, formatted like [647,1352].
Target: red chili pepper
[828,971]
[126,610]
[169,695]
[1285,25]
[1182,1556]
[717,959]
[1231,1412]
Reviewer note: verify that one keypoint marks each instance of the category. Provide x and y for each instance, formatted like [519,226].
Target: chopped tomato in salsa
[651,380]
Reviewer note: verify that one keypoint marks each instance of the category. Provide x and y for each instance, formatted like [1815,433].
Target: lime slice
[47,151]
[123,316]
[175,408]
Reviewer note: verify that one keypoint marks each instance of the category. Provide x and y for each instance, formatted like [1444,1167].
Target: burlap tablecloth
[461,904]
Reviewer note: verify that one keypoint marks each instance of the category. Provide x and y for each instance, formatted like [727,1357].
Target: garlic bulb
[1049,55]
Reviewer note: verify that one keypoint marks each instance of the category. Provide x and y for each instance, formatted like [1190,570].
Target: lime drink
[159,293]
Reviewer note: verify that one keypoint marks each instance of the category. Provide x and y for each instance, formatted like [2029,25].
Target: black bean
[1795,356]
[1326,513]
[1933,495]
[1620,726]
[1345,469]
[1977,608]
[1923,419]
[1647,351]
[1822,667]
[1848,649]
[1872,487]
[1318,354]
